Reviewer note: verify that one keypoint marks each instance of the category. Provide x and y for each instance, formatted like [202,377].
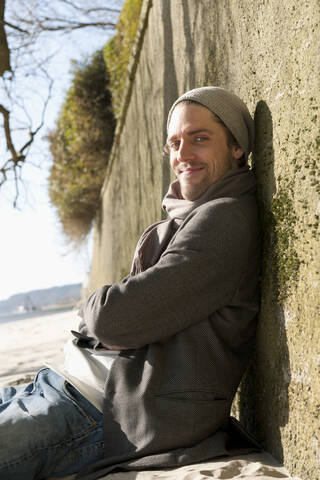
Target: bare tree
[25,25]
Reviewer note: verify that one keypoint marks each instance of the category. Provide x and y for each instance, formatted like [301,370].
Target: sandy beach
[26,343]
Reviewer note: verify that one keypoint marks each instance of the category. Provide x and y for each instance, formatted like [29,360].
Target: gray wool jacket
[189,321]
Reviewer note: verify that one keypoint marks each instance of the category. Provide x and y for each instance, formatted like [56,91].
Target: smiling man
[165,348]
[199,148]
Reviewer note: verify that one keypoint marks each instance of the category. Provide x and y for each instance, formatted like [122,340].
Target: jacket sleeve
[199,273]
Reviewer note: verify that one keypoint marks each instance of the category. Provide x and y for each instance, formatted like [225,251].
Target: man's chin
[192,192]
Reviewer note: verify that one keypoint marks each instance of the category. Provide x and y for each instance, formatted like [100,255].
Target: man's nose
[185,152]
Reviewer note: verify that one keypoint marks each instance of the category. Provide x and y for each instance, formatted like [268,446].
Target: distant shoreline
[5,318]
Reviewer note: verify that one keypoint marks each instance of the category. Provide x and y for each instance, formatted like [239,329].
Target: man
[183,321]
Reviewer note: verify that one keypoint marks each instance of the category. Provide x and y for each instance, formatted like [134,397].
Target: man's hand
[114,348]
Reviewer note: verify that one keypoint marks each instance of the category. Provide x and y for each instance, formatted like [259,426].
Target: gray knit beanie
[229,108]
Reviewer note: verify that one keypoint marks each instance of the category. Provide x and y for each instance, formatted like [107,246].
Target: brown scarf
[156,237]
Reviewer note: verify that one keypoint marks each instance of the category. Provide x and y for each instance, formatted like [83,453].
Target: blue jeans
[47,429]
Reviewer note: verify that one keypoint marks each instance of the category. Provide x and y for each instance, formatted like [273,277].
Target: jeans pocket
[88,410]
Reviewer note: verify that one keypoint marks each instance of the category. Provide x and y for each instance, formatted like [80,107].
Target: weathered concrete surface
[267,53]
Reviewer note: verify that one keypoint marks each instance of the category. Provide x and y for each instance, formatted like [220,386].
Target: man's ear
[237,152]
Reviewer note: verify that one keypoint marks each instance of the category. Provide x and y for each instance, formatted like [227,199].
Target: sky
[34,254]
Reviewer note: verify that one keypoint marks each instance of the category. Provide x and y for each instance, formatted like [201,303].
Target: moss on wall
[118,50]
[286,259]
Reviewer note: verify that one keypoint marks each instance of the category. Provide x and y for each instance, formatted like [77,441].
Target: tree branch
[89,10]
[17,159]
[7,131]
[15,27]
[69,25]
[16,184]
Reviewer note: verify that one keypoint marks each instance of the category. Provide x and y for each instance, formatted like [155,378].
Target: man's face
[199,154]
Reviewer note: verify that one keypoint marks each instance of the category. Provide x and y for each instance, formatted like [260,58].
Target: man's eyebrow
[192,132]
[199,130]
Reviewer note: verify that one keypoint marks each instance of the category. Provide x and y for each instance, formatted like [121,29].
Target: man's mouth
[191,170]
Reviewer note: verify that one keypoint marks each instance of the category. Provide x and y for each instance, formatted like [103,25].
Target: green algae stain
[286,259]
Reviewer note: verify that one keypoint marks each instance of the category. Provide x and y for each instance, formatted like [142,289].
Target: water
[5,318]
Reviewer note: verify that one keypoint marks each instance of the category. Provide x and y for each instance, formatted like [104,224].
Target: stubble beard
[193,192]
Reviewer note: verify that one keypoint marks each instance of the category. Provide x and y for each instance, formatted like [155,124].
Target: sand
[26,344]
[254,466]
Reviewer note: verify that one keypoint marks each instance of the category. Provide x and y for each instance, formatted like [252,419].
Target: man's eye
[200,139]
[174,145]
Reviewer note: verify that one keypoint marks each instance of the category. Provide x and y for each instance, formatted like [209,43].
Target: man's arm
[85,337]
[198,274]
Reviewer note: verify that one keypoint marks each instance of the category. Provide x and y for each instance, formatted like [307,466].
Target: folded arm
[199,273]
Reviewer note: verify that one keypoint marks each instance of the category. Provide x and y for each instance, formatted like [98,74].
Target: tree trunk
[4,49]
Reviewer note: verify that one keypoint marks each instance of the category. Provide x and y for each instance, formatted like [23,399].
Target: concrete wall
[265,51]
